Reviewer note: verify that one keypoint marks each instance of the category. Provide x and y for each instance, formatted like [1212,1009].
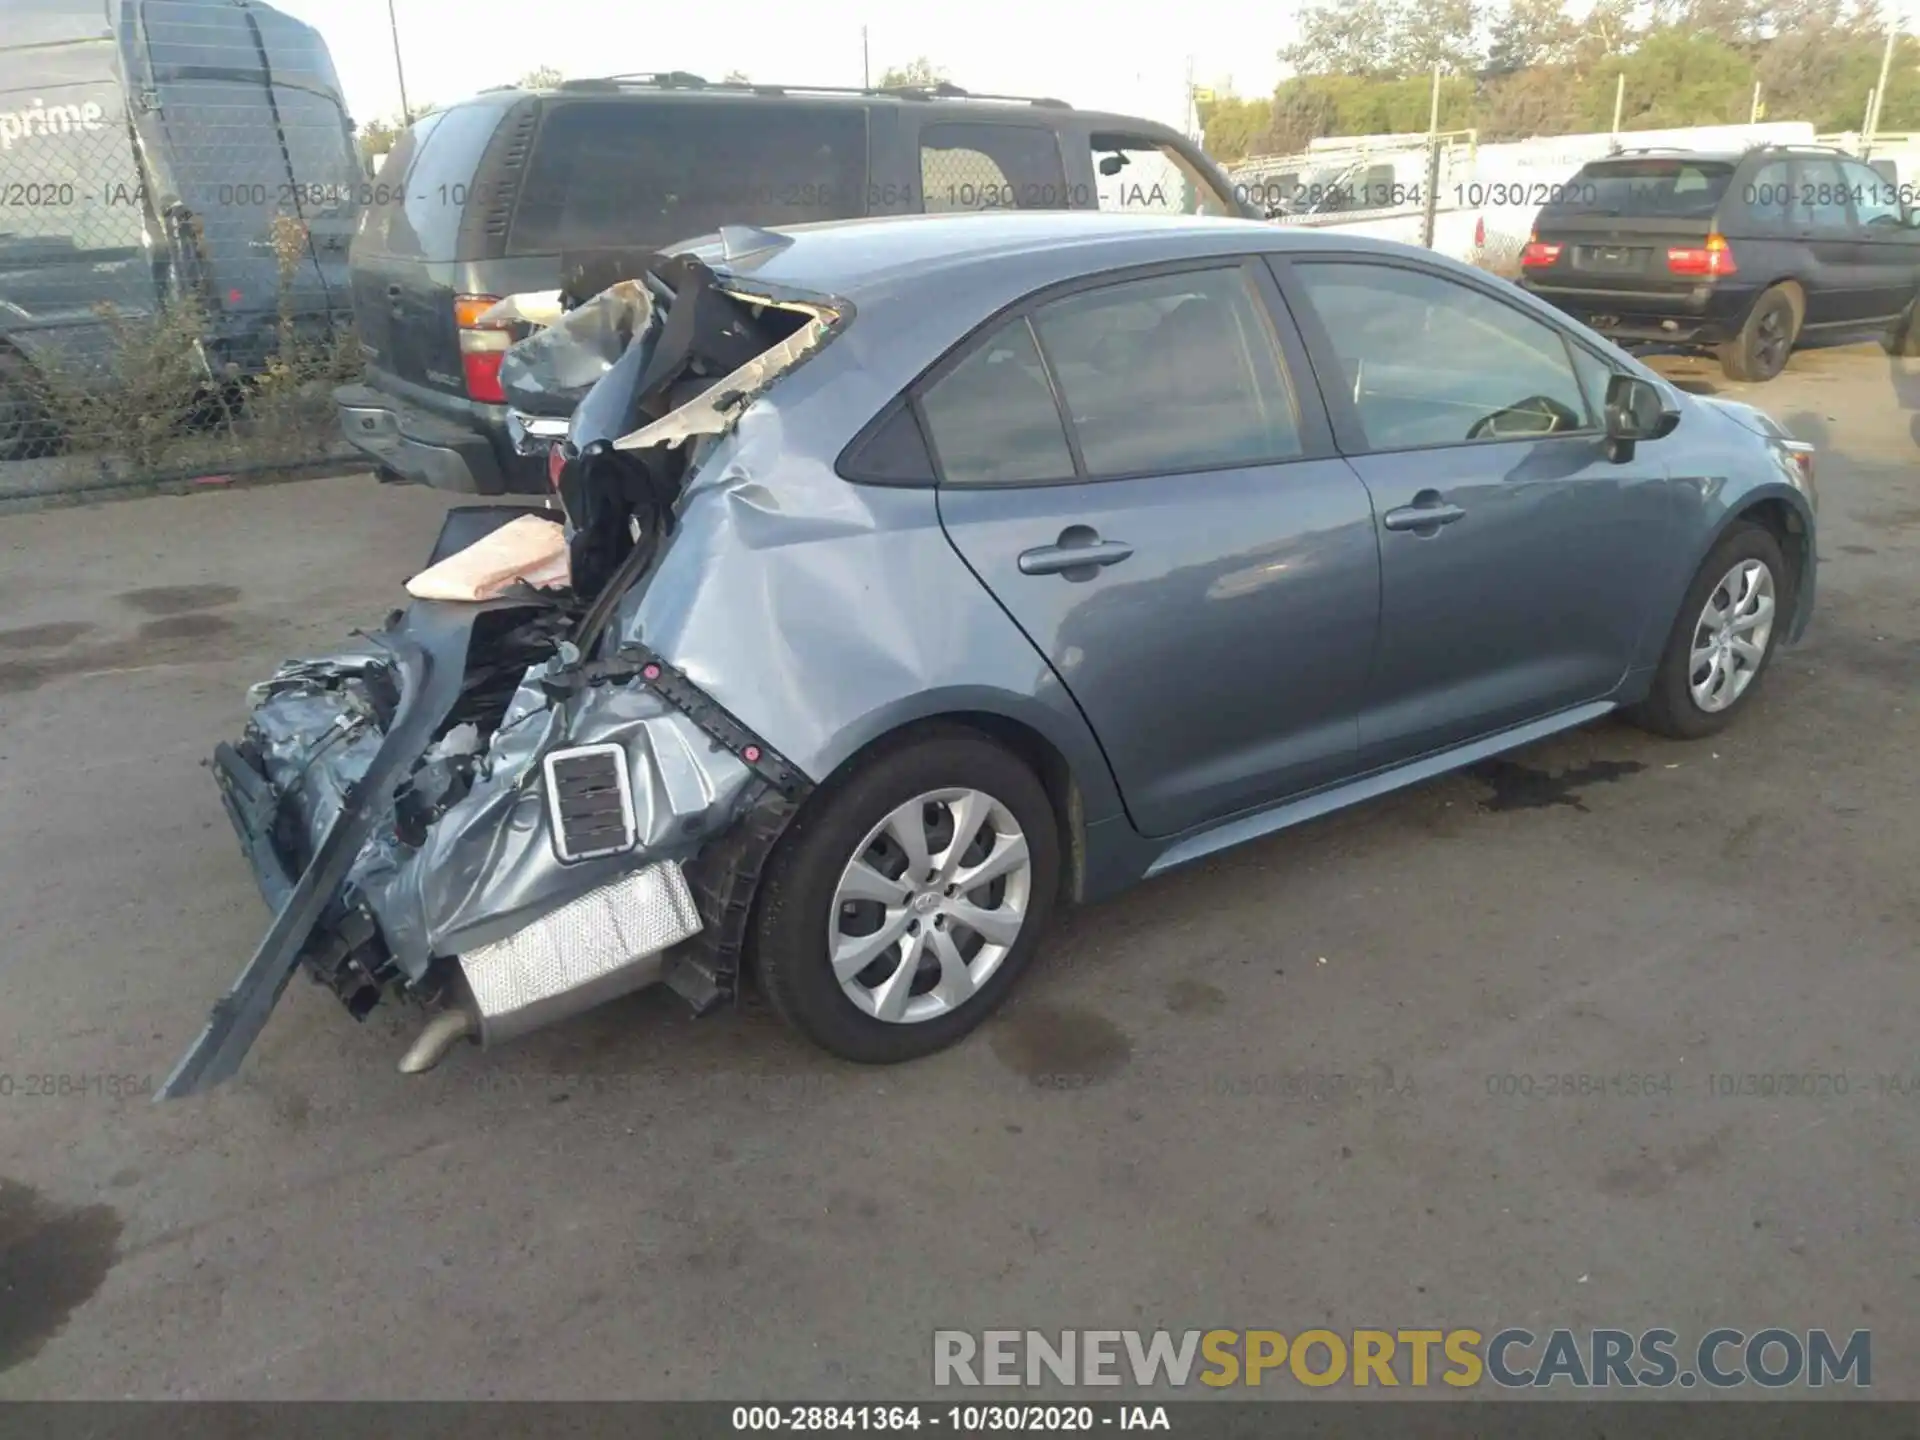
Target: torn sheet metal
[720,406]
[551,371]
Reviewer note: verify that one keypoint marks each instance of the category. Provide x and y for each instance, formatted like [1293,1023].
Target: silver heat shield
[603,944]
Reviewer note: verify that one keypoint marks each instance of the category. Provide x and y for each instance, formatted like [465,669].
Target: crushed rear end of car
[480,808]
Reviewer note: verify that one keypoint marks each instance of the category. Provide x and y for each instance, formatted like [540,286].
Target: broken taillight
[1713,258]
[482,347]
[1480,233]
[1539,252]
[556,464]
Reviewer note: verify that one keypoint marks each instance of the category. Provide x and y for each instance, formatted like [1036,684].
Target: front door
[1196,565]
[1516,560]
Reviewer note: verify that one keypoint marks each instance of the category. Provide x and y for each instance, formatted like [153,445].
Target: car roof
[854,259]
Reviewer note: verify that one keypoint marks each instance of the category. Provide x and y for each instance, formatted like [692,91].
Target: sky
[1129,60]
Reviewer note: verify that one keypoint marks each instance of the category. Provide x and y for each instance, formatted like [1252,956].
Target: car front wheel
[1723,638]
[904,903]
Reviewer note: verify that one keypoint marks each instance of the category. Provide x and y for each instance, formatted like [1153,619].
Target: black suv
[517,191]
[1738,253]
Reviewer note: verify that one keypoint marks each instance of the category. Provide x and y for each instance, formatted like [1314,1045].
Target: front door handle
[1079,549]
[1425,516]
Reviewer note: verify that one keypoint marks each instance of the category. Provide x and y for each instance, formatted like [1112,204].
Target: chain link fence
[173,280]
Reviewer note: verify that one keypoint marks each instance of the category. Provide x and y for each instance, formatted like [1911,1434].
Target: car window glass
[991,167]
[1430,361]
[428,226]
[1821,196]
[1177,372]
[1874,200]
[1594,375]
[992,419]
[618,174]
[1149,177]
[1671,188]
[1768,196]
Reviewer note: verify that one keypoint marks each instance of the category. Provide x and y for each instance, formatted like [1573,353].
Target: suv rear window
[422,187]
[1681,188]
[612,174]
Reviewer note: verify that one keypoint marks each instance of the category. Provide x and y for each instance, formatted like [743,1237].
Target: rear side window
[992,419]
[991,167]
[1179,372]
[425,181]
[1680,188]
[1821,194]
[1768,197]
[610,174]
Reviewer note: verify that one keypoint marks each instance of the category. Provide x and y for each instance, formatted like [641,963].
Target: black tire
[1670,708]
[27,432]
[790,930]
[1761,349]
[1903,336]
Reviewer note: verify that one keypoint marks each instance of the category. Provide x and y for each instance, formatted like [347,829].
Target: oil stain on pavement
[1058,1045]
[178,599]
[1521,787]
[53,1258]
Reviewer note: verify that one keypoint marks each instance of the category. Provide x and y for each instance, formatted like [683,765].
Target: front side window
[1430,361]
[991,167]
[1140,176]
[1874,200]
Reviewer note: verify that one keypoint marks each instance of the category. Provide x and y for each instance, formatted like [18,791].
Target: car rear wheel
[1760,350]
[903,905]
[1724,637]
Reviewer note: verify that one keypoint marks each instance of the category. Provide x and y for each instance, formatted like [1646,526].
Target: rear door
[1184,547]
[1838,290]
[1889,244]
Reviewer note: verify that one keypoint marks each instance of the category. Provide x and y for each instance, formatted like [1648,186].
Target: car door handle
[1422,515]
[1078,548]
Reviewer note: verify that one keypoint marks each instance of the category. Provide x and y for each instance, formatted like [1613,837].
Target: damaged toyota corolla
[910,575]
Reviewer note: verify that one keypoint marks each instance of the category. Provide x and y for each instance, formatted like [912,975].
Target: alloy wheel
[1731,636]
[930,905]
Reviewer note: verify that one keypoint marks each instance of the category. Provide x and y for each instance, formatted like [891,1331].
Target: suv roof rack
[684,80]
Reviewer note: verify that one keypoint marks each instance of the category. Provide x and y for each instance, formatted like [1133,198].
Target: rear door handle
[1078,548]
[1428,516]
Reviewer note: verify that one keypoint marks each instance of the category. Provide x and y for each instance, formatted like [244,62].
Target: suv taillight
[482,347]
[1713,258]
[1539,252]
[556,465]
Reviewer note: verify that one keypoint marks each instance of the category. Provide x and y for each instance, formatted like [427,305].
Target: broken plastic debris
[529,548]
[539,307]
[460,740]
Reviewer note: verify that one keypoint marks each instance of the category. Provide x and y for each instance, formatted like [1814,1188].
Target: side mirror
[1636,411]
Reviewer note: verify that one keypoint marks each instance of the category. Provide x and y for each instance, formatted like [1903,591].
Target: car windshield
[1679,187]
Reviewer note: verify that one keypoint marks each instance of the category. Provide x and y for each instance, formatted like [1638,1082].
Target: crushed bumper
[399,825]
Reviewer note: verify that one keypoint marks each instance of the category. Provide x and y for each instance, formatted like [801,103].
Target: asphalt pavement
[1304,1084]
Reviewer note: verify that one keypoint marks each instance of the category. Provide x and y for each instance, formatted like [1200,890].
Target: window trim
[1316,431]
[1349,434]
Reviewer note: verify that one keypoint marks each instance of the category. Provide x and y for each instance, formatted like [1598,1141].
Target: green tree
[1233,128]
[1344,37]
[917,74]
[543,77]
[1531,33]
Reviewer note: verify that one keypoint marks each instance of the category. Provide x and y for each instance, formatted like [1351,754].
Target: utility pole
[399,71]
[1619,103]
[1880,90]
[1753,115]
[866,74]
[1433,163]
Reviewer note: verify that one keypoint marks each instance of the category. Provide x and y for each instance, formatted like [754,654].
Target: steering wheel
[1523,417]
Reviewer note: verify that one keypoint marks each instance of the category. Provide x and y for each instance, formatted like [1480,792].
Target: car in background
[927,573]
[154,151]
[573,188]
[1741,254]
